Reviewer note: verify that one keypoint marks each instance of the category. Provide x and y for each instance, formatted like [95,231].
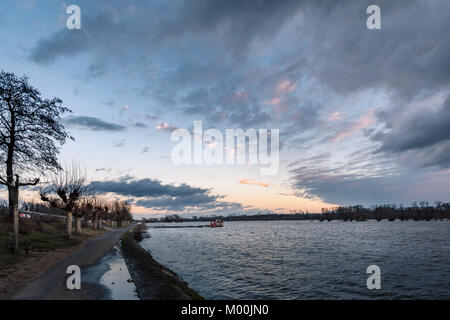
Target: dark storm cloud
[335,186]
[437,155]
[341,51]
[92,123]
[153,194]
[424,135]
[238,23]
[422,129]
[363,178]
[60,44]
[338,188]
[198,201]
[145,188]
[409,54]
[140,125]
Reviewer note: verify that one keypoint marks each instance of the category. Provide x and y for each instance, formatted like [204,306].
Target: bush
[5,228]
[4,216]
[27,226]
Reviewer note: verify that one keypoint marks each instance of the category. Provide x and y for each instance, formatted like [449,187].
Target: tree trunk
[13,194]
[100,223]
[69,224]
[95,222]
[78,225]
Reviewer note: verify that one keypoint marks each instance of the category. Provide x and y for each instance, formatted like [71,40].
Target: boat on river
[217,223]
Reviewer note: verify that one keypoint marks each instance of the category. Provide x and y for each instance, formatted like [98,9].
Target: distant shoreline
[424,212]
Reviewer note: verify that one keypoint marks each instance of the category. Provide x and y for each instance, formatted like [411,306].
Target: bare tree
[29,128]
[96,207]
[66,193]
[82,210]
[125,213]
[121,212]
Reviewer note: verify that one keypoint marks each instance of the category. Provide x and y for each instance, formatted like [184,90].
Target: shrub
[27,226]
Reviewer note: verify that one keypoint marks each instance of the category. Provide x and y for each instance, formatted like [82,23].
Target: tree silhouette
[97,207]
[121,212]
[66,193]
[83,210]
[30,127]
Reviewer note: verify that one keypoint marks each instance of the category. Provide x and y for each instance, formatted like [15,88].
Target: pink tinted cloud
[164,126]
[355,126]
[286,86]
[274,101]
[250,182]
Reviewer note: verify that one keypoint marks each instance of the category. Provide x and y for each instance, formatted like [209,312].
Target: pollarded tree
[102,209]
[66,193]
[85,209]
[30,130]
[96,208]
[122,212]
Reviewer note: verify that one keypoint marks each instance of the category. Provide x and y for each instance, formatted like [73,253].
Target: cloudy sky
[364,115]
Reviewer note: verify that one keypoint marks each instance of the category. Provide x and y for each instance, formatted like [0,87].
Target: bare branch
[29,183]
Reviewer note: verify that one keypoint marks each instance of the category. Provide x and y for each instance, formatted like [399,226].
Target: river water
[308,259]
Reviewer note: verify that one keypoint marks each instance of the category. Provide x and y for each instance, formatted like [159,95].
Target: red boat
[216,224]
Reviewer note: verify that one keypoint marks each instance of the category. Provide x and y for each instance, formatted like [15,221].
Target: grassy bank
[153,281]
[35,236]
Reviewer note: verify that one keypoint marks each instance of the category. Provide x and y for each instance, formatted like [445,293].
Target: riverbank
[153,281]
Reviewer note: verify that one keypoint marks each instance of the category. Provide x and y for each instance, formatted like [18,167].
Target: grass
[110,225]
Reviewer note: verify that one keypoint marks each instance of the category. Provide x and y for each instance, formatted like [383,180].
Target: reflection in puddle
[117,279]
[112,272]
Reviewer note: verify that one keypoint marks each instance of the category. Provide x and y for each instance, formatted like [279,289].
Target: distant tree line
[417,212]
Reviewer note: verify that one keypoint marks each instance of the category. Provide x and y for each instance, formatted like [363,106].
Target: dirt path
[52,285]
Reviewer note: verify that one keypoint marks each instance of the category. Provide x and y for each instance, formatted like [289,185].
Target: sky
[363,115]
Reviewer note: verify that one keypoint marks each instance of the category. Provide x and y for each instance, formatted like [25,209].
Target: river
[308,259]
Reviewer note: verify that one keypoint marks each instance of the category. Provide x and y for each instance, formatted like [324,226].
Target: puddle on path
[112,273]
